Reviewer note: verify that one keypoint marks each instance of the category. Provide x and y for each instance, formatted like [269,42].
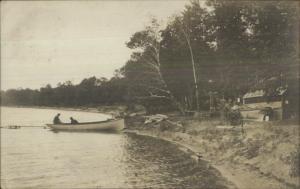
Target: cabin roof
[260,93]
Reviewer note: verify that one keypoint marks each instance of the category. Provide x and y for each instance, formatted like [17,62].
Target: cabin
[256,105]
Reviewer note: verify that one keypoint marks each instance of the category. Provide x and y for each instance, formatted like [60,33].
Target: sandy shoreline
[233,183]
[188,150]
[238,177]
[242,173]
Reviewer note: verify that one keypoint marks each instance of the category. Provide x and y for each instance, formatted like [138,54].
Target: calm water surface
[40,158]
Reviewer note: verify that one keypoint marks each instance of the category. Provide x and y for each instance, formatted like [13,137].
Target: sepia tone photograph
[163,94]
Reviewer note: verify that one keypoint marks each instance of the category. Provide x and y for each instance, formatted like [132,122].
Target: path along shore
[263,156]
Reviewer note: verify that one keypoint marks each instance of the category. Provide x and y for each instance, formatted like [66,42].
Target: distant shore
[111,110]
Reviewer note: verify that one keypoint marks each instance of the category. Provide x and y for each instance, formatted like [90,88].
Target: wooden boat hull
[109,125]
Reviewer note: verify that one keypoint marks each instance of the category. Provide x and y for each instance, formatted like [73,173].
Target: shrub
[251,149]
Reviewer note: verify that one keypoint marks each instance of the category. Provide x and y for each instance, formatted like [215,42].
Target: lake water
[39,158]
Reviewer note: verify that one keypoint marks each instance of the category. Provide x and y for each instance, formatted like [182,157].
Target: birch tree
[144,67]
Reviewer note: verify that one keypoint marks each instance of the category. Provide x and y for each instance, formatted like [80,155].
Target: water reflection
[40,158]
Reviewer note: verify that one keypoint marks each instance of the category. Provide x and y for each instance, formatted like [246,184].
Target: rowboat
[107,125]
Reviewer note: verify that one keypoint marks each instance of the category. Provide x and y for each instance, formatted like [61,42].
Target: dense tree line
[225,48]
[89,92]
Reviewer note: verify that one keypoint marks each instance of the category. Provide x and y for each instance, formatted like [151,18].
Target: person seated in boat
[56,119]
[73,121]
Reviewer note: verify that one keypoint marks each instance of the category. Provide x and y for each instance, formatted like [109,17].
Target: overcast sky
[49,42]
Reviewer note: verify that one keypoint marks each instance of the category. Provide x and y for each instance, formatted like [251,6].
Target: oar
[18,127]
